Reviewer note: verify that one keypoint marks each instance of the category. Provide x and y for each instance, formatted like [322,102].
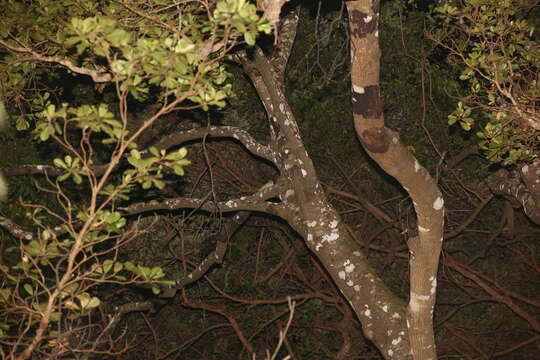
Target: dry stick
[229,317]
[467,341]
[154,336]
[532,340]
[469,219]
[276,268]
[273,319]
[193,339]
[314,295]
[258,257]
[283,333]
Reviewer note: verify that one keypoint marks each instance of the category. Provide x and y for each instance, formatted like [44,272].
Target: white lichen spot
[367,313]
[304,173]
[416,166]
[357,253]
[309,237]
[525,169]
[331,237]
[385,308]
[39,167]
[422,229]
[349,268]
[396,316]
[368,19]
[358,89]
[356,288]
[281,107]
[396,341]
[28,236]
[433,286]
[341,275]
[190,276]
[438,203]
[350,283]
[333,224]
[377,33]
[318,246]
[311,223]
[390,352]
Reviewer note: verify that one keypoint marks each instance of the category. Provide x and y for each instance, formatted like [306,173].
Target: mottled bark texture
[303,203]
[521,187]
[383,145]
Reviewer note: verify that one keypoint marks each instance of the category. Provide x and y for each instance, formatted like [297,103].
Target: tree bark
[383,145]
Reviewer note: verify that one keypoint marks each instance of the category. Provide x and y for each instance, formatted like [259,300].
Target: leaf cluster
[493,44]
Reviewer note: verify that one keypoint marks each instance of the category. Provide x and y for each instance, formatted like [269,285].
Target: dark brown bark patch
[367,103]
[362,24]
[376,140]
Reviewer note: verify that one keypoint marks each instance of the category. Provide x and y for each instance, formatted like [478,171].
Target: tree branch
[285,41]
[242,136]
[98,75]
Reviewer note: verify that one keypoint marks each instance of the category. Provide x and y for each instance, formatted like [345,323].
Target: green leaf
[29,289]
[107,265]
[119,38]
[59,163]
[250,39]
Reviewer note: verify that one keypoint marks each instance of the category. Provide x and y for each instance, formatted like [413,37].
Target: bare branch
[98,75]
[288,27]
[242,136]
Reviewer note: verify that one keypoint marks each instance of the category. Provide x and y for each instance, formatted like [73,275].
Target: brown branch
[285,41]
[242,136]
[383,145]
[255,202]
[469,220]
[98,75]
[227,315]
[215,257]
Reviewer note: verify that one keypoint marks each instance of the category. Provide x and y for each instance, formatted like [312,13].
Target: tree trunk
[383,145]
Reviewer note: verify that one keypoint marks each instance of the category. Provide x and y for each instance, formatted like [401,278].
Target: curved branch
[215,257]
[256,202]
[98,75]
[242,136]
[383,145]
[522,189]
